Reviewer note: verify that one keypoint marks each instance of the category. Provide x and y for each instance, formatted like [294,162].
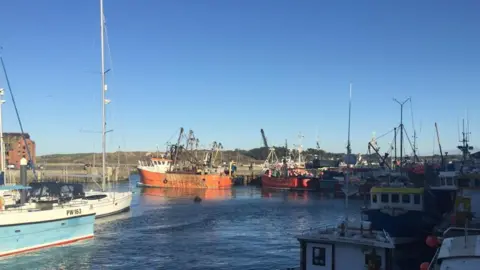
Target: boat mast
[401,131]
[349,149]
[102,31]
[2,144]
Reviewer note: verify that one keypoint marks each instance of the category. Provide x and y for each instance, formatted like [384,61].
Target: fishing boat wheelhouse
[397,210]
[352,246]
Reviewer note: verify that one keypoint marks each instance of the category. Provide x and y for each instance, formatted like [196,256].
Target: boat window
[373,259]
[450,181]
[95,197]
[395,198]
[66,191]
[416,199]
[406,198]
[384,198]
[374,198]
[319,256]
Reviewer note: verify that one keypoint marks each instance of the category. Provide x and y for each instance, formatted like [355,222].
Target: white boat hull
[111,204]
[28,229]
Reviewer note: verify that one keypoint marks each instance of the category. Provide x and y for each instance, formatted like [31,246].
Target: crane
[264,138]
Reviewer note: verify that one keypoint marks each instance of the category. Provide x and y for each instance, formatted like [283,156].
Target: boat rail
[431,266]
[353,233]
[321,229]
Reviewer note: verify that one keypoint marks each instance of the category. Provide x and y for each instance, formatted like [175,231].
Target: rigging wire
[18,118]
[385,134]
[410,142]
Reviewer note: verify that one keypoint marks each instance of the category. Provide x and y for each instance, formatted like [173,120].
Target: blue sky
[228,68]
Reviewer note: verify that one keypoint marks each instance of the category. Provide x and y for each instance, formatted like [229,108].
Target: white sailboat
[30,226]
[106,203]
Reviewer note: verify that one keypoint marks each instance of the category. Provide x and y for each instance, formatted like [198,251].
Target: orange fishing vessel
[192,173]
[155,173]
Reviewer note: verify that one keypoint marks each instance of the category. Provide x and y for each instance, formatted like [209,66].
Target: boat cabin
[348,246]
[55,191]
[460,252]
[446,181]
[155,164]
[396,198]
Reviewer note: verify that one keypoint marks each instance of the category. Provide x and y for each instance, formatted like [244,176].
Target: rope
[385,134]
[18,118]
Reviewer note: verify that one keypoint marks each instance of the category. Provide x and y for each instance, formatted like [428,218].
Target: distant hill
[128,157]
[255,155]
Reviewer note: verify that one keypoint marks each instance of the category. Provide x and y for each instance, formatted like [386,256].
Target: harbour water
[244,228]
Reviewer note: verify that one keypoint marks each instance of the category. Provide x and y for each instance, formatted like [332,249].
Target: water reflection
[295,195]
[162,194]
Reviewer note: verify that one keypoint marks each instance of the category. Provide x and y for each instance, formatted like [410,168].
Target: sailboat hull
[29,230]
[109,203]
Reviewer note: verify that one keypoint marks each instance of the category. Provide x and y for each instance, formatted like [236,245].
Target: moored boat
[183,170]
[353,246]
[104,203]
[454,250]
[33,226]
[151,175]
[407,212]
[290,179]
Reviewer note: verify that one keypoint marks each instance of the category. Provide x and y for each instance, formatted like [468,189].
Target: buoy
[424,266]
[197,199]
[432,241]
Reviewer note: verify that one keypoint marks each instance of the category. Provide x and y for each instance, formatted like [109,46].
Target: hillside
[256,155]
[126,157]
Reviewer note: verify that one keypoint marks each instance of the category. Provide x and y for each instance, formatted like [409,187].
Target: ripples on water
[238,229]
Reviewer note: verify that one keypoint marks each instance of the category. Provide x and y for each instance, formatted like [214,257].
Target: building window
[395,198]
[406,198]
[374,198]
[384,198]
[416,199]
[319,256]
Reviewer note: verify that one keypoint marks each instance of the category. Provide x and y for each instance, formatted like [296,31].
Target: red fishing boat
[183,170]
[289,179]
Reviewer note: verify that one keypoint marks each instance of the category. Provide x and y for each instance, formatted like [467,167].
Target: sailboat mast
[102,31]
[2,144]
[349,149]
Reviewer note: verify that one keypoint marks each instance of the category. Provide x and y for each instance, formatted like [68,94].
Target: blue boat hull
[412,224]
[21,238]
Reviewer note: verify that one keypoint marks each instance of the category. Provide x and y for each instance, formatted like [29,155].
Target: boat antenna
[401,131]
[18,118]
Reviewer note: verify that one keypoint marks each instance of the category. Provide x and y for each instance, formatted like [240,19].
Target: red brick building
[15,148]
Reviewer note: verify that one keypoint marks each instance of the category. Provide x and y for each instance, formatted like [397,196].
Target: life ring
[2,203]
[165,181]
